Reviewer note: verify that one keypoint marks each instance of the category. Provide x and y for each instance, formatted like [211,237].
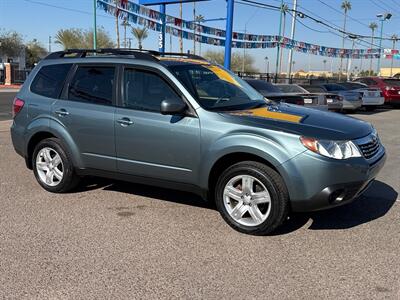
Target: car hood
[303,121]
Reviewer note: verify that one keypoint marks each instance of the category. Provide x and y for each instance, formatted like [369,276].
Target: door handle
[62,112]
[125,122]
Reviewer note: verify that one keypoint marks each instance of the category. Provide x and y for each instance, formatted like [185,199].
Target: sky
[39,19]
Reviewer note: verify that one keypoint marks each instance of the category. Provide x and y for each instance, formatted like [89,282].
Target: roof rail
[136,53]
[79,53]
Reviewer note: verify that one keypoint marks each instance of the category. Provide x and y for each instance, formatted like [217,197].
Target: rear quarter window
[49,81]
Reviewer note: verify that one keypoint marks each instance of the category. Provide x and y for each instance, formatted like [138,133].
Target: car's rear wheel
[252,198]
[52,167]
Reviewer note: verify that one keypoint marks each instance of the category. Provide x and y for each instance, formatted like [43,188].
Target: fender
[244,142]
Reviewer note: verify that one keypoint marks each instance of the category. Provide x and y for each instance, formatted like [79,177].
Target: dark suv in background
[179,121]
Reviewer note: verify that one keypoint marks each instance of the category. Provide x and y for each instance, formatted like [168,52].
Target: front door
[148,143]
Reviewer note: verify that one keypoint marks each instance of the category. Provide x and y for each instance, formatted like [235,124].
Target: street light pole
[382,17]
[94,26]
[278,46]
[289,67]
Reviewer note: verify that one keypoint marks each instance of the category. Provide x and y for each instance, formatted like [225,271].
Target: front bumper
[315,182]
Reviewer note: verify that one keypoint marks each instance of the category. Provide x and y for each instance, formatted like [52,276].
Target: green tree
[11,44]
[34,52]
[236,60]
[140,35]
[75,38]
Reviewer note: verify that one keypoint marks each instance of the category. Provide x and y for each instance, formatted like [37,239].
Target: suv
[178,121]
[390,87]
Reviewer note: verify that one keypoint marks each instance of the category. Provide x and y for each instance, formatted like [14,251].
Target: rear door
[148,143]
[86,109]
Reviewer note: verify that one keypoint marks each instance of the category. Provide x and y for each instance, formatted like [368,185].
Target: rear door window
[92,84]
[49,81]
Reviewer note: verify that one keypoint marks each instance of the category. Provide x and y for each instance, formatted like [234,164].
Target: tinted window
[314,88]
[263,86]
[92,84]
[49,80]
[334,87]
[352,85]
[291,88]
[144,90]
[392,82]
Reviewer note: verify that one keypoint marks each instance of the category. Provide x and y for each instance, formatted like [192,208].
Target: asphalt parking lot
[113,240]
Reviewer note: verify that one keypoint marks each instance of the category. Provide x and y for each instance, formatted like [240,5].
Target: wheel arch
[223,162]
[55,130]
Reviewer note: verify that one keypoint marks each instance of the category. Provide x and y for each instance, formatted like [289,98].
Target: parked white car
[371,97]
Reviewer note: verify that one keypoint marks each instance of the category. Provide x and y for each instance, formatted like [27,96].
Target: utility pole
[50,44]
[290,58]
[353,37]
[279,43]
[94,26]
[391,63]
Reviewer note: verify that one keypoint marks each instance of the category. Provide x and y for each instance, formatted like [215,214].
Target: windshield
[291,88]
[392,82]
[353,85]
[216,88]
[334,87]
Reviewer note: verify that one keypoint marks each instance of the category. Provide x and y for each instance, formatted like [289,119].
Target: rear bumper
[317,183]
[352,104]
[373,101]
[335,105]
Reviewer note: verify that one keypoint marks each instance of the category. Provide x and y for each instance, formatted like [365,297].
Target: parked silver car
[334,101]
[352,100]
[371,97]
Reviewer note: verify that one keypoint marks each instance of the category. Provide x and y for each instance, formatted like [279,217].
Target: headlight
[332,149]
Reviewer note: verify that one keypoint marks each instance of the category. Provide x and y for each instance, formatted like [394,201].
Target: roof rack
[136,53]
[188,55]
[79,53]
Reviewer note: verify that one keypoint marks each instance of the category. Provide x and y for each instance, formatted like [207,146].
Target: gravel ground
[115,240]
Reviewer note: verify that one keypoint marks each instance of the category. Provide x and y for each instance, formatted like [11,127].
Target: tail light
[18,104]
[299,101]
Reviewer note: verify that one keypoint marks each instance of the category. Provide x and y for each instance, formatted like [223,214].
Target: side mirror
[173,106]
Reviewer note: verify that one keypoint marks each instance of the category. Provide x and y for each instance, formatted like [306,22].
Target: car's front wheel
[252,198]
[52,168]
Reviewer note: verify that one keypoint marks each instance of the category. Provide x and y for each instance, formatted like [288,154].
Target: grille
[370,148]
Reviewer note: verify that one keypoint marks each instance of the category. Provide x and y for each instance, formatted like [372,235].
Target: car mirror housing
[173,106]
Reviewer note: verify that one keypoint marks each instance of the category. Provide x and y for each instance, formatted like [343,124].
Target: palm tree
[180,36]
[346,6]
[284,10]
[199,19]
[373,26]
[324,62]
[140,34]
[117,2]
[394,38]
[69,38]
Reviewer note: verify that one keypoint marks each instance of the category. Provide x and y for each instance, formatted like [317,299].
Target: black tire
[276,188]
[69,179]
